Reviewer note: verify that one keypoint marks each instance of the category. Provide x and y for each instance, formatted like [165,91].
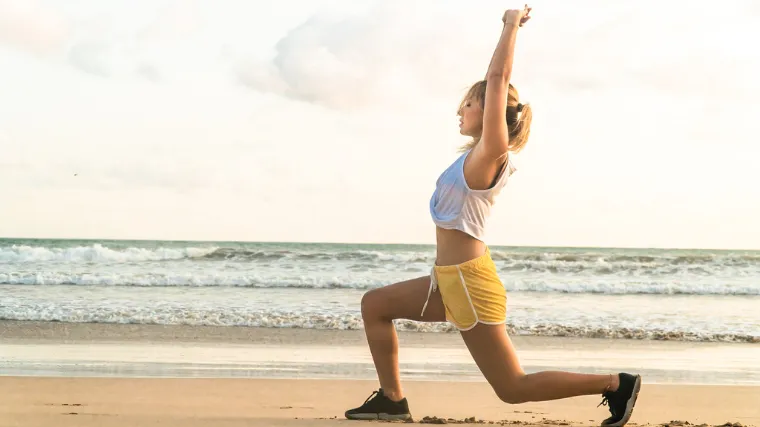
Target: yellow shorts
[472,292]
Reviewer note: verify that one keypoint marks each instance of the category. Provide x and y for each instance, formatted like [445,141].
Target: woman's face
[471,118]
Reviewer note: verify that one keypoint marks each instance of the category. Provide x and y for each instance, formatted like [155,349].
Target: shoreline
[104,332]
[53,349]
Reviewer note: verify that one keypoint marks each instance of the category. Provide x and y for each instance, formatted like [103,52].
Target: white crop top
[456,206]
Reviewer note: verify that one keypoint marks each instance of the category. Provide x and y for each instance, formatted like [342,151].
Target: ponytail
[519,126]
[519,116]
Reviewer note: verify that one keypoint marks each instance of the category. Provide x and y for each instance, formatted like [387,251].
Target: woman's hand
[517,16]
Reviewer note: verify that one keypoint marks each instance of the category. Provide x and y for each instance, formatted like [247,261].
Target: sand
[74,396]
[105,402]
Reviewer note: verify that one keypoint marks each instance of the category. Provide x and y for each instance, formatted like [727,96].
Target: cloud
[392,51]
[149,71]
[28,25]
[90,57]
[176,22]
[106,59]
[396,52]
[684,51]
[95,44]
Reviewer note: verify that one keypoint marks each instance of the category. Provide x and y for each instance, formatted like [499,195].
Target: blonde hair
[518,116]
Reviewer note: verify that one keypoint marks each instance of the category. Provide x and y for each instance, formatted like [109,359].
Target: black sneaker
[622,400]
[379,407]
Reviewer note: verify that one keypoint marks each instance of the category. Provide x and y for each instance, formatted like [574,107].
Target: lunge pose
[463,287]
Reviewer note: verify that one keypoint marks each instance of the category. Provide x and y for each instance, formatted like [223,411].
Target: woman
[463,287]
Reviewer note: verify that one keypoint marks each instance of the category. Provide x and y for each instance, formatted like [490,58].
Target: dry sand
[106,402]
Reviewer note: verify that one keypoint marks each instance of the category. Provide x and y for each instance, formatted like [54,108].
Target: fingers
[526,15]
[523,15]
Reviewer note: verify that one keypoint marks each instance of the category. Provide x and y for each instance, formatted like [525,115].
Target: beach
[204,205]
[117,333]
[80,374]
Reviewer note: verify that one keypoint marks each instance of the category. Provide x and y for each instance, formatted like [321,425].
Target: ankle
[613,384]
[394,395]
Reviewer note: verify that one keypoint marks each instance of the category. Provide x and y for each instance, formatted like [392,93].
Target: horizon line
[376,244]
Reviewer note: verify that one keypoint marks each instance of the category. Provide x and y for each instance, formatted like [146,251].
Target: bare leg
[380,307]
[494,354]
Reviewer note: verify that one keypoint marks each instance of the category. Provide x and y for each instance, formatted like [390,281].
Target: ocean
[677,295]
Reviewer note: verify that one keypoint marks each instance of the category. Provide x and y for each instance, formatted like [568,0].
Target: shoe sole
[628,405]
[381,417]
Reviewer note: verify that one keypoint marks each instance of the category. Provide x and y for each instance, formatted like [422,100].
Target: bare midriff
[455,247]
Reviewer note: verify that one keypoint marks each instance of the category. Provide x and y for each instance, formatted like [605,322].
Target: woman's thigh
[404,300]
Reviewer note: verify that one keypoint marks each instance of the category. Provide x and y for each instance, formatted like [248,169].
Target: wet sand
[117,350]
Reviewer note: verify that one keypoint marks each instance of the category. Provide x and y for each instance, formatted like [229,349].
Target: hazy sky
[304,120]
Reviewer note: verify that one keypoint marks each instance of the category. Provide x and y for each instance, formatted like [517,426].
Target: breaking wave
[629,286]
[211,317]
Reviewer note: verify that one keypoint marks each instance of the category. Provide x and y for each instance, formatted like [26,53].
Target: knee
[512,392]
[372,305]
[513,397]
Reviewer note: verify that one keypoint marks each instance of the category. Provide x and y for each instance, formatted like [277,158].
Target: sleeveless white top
[456,206]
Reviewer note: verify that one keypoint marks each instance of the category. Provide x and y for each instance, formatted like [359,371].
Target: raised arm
[495,136]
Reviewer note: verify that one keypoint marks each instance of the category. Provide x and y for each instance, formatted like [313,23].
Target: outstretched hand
[518,16]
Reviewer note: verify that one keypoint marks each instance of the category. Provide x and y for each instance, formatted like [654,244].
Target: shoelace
[606,402]
[374,393]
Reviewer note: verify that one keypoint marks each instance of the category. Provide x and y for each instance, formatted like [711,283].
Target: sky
[329,121]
